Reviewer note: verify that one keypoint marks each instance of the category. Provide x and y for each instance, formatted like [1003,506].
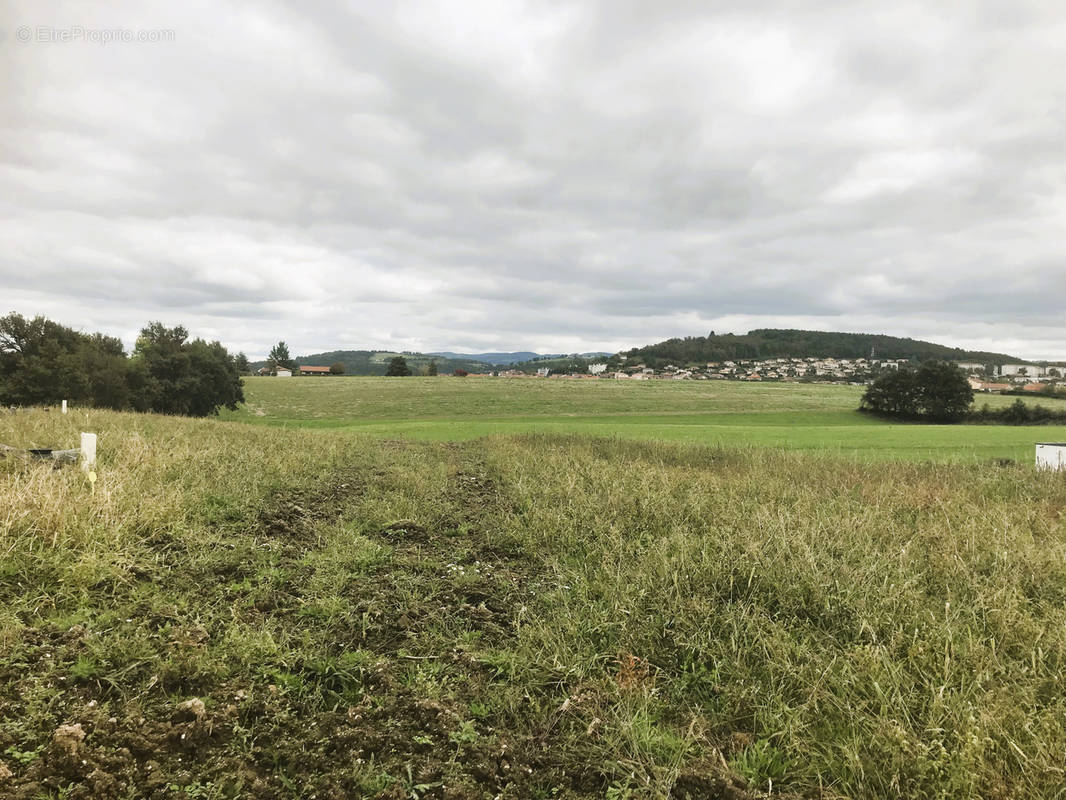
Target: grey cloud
[448,175]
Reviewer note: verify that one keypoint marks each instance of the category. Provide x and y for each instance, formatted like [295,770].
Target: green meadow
[446,589]
[782,415]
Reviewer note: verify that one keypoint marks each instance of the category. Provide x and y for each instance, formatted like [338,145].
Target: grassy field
[792,416]
[251,611]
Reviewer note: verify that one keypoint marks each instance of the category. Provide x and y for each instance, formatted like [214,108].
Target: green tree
[107,372]
[241,362]
[398,368]
[945,393]
[336,368]
[894,392]
[175,376]
[279,357]
[936,391]
[43,362]
[431,370]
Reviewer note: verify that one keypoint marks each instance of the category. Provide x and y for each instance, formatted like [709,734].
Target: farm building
[284,373]
[1051,455]
[314,370]
[981,386]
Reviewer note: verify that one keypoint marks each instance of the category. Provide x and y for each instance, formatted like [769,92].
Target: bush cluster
[937,392]
[43,362]
[1019,413]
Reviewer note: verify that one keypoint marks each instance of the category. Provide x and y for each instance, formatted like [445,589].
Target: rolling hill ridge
[789,343]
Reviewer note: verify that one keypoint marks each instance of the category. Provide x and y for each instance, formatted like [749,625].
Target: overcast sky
[549,176]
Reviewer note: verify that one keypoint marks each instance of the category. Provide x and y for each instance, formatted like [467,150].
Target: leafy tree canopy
[43,362]
[398,368]
[936,391]
[181,377]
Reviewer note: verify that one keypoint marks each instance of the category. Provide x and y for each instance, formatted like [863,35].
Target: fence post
[64,406]
[88,451]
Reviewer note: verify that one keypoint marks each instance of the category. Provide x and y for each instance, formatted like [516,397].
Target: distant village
[836,370]
[858,371]
[855,371]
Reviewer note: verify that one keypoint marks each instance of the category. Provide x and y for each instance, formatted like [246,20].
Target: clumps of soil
[711,784]
[405,529]
[67,739]
[293,515]
[106,758]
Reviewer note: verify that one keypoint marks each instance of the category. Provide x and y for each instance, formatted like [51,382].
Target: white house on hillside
[1028,370]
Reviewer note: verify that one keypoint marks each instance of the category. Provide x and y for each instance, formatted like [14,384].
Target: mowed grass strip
[784,415]
[248,611]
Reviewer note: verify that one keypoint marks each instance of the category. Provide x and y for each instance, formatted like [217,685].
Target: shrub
[1019,413]
[936,391]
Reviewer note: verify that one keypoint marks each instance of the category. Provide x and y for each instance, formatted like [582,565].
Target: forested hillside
[519,357]
[779,343]
[376,362]
[496,359]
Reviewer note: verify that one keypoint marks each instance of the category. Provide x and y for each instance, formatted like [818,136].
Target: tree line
[43,362]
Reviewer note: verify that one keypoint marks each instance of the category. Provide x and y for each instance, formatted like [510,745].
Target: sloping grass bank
[245,611]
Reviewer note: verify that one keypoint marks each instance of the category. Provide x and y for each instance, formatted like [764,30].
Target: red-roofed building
[981,386]
[314,370]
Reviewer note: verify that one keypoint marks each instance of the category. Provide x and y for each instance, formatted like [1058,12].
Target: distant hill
[491,358]
[780,343]
[499,359]
[376,362]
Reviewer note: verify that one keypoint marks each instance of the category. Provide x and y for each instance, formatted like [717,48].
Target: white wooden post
[64,406]
[88,451]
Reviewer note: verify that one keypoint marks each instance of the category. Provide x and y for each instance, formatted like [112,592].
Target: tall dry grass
[824,626]
[880,630]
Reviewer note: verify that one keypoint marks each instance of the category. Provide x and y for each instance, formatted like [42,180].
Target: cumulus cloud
[451,174]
